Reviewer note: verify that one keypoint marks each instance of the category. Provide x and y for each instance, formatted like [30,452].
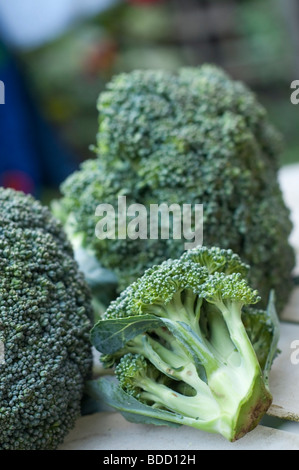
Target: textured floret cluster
[45,319]
[195,137]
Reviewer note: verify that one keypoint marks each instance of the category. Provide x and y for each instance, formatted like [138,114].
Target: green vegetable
[45,320]
[187,138]
[188,347]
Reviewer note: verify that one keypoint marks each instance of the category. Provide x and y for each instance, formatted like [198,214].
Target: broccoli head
[187,346]
[194,137]
[45,319]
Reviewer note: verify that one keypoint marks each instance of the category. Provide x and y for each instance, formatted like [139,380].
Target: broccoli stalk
[180,346]
[138,377]
[233,374]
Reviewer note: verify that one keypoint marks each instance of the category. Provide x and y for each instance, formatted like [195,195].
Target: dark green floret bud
[45,319]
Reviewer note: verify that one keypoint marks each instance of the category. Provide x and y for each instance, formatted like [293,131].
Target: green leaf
[108,391]
[109,336]
[272,314]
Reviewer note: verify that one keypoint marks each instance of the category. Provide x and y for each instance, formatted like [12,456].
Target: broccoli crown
[45,319]
[195,137]
[188,347]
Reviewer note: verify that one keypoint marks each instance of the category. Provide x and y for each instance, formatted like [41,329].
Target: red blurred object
[17,180]
[100,58]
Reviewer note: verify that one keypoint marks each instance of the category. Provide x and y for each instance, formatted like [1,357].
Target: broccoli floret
[188,347]
[187,138]
[45,320]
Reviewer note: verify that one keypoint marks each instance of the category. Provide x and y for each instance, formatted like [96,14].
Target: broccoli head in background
[181,351]
[195,137]
[45,320]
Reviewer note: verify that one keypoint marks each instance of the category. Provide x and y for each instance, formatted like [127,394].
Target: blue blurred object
[31,155]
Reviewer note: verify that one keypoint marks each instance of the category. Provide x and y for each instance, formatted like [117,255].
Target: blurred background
[57,55]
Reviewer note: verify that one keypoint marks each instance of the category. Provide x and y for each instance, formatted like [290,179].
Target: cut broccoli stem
[234,391]
[232,384]
[174,364]
[192,407]
[225,411]
[237,382]
[219,337]
[192,360]
[232,316]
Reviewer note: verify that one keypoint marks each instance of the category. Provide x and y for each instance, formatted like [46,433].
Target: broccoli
[194,137]
[45,320]
[187,346]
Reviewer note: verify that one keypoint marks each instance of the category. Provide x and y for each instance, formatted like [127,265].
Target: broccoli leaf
[272,315]
[111,335]
[133,410]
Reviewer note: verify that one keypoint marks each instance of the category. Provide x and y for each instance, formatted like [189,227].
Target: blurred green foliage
[250,39]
